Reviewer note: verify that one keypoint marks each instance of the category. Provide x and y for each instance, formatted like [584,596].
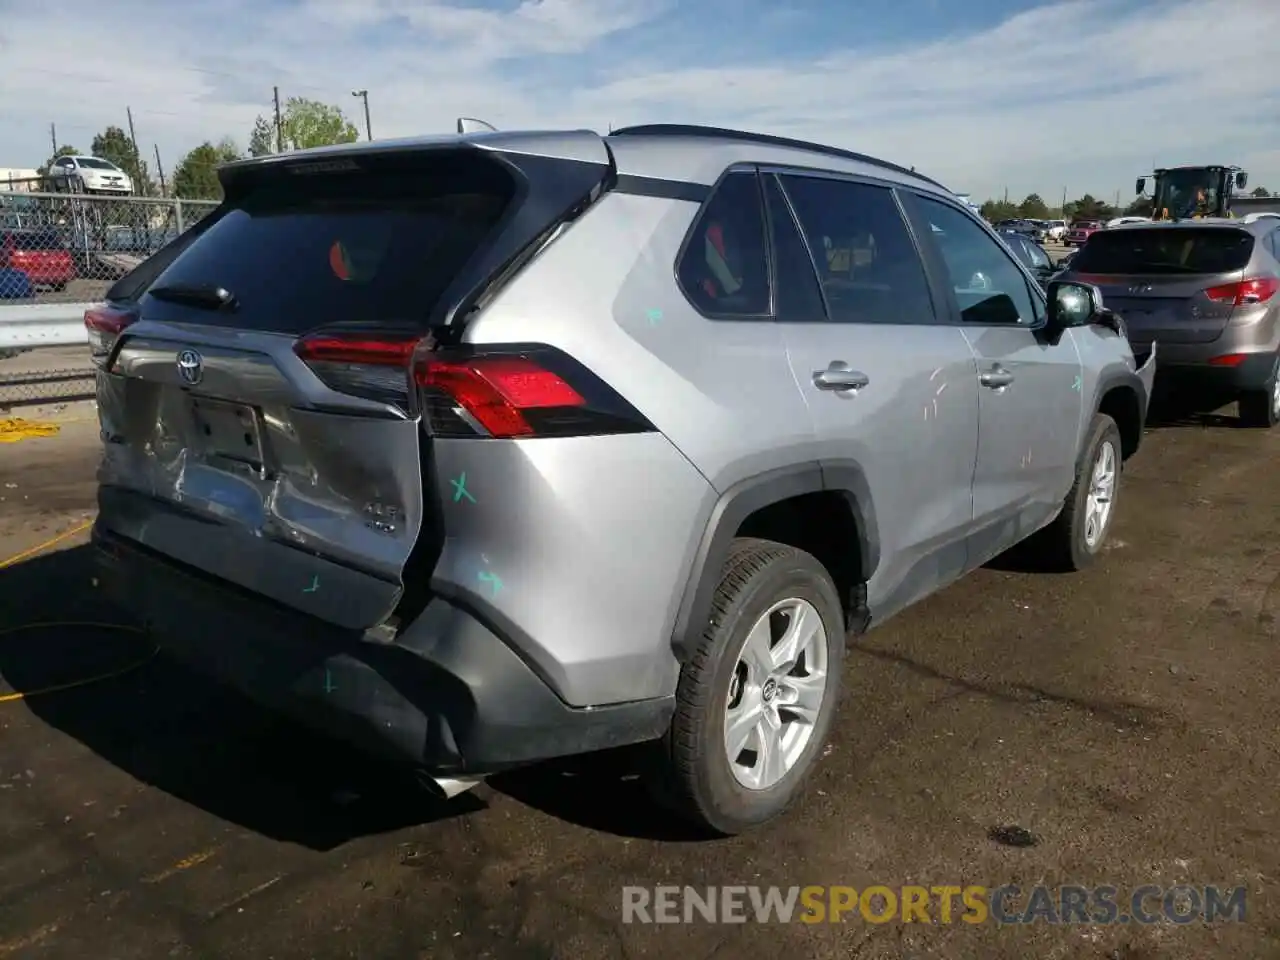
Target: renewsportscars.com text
[970,904]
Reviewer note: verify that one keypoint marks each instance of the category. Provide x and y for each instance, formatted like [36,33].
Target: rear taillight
[496,392]
[376,368]
[1246,292]
[1227,360]
[104,324]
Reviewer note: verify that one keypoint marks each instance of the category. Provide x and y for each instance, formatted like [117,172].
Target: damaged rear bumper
[447,695]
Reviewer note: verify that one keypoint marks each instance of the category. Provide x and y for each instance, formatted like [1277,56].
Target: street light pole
[364,95]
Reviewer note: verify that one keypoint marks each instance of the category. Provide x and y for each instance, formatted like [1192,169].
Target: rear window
[35,240]
[376,245]
[1129,251]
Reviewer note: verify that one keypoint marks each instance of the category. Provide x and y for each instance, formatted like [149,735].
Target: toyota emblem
[190,367]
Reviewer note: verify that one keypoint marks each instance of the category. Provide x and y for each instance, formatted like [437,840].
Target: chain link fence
[68,247]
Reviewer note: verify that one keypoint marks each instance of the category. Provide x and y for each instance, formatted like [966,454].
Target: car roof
[1256,227]
[694,154]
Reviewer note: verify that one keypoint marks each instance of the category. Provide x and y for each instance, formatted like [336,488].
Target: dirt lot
[1127,717]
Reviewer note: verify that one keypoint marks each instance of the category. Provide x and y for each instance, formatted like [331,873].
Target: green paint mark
[654,316]
[1076,386]
[460,488]
[492,579]
[328,682]
[315,585]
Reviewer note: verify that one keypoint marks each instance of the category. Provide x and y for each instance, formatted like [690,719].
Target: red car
[1080,232]
[40,255]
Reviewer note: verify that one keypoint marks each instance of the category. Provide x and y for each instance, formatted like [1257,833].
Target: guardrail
[43,325]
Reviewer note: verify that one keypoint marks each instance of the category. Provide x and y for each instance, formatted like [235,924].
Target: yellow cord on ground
[83,681]
[13,430]
[39,547]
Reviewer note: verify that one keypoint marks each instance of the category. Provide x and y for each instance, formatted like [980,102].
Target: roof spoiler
[472,125]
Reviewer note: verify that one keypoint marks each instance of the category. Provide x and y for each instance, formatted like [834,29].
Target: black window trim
[1033,287]
[804,242]
[933,278]
[692,232]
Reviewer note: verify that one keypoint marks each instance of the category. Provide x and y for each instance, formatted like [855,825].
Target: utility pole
[279,125]
[364,95]
[137,156]
[160,171]
[53,137]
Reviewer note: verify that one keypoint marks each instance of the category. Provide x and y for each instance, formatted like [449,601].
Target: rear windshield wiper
[207,297]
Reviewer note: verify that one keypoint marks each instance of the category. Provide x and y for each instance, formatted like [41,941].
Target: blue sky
[985,95]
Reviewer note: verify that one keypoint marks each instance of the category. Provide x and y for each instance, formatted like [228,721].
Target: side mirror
[1140,186]
[1073,304]
[1242,180]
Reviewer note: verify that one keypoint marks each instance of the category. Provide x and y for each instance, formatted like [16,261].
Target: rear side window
[1165,251]
[867,263]
[370,246]
[723,269]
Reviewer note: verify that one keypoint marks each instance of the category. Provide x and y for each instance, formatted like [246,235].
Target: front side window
[989,287]
[723,269]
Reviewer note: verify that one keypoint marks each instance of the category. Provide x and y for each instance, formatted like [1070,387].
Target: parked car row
[33,259]
[808,389]
[1042,231]
[48,258]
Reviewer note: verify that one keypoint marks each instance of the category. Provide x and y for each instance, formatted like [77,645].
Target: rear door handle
[996,378]
[840,376]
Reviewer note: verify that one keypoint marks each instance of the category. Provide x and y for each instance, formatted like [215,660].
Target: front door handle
[839,376]
[997,378]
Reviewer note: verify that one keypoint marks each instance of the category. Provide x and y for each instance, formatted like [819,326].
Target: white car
[1056,229]
[90,175]
[1120,221]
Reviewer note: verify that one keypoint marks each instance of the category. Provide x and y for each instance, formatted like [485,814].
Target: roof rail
[695,130]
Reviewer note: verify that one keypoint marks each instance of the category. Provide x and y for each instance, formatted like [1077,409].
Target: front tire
[755,702]
[1074,540]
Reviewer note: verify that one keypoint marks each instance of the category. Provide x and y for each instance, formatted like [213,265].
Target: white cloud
[1083,95]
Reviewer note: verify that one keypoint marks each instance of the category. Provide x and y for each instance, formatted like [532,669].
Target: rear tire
[1074,540]
[772,595]
[1261,408]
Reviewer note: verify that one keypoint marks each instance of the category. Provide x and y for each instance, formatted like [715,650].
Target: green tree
[196,176]
[993,211]
[114,144]
[303,124]
[1033,208]
[1089,207]
[1142,207]
[262,140]
[1261,192]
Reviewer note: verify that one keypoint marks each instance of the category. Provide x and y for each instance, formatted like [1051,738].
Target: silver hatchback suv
[480,450]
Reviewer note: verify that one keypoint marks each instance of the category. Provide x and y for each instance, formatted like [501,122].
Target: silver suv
[486,449]
[1208,290]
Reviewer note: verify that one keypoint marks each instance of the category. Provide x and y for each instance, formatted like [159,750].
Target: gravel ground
[1125,717]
